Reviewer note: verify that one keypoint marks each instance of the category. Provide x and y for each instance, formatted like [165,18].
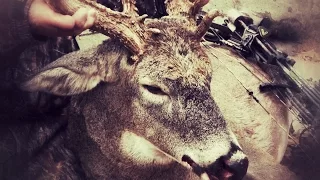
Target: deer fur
[120,107]
[93,124]
[166,98]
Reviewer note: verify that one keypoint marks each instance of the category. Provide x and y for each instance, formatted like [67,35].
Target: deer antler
[184,7]
[126,25]
[205,23]
[189,9]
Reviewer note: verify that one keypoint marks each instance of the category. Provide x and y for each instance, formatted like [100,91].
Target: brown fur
[181,113]
[175,65]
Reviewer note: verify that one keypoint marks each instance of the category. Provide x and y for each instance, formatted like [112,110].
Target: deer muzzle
[230,167]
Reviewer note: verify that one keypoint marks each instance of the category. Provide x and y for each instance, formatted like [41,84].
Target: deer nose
[235,164]
[231,167]
[235,168]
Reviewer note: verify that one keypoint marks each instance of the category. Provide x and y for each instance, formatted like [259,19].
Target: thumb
[41,15]
[64,22]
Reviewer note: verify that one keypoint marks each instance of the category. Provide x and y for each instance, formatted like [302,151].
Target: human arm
[24,21]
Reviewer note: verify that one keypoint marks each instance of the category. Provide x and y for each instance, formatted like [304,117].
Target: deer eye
[154,90]
[153,95]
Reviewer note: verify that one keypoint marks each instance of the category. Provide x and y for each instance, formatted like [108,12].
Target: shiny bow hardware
[238,32]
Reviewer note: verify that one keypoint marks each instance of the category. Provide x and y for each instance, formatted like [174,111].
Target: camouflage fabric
[14,25]
[17,68]
[32,125]
[30,122]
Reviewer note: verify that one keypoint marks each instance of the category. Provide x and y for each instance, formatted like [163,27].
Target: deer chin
[141,151]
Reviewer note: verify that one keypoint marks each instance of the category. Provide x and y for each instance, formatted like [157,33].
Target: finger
[92,16]
[44,16]
[46,21]
[53,27]
[90,19]
[57,32]
[64,22]
[83,22]
[80,17]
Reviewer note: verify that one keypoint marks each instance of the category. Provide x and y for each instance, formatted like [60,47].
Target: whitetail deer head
[154,107]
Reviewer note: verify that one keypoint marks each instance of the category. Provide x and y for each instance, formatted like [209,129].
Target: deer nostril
[233,166]
[195,167]
[237,167]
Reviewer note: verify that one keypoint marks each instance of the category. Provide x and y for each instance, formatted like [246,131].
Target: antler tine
[178,7]
[191,8]
[186,7]
[205,23]
[197,5]
[123,26]
[129,7]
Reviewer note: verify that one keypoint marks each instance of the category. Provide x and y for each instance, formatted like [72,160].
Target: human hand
[45,21]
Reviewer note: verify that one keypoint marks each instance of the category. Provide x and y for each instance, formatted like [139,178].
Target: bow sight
[238,32]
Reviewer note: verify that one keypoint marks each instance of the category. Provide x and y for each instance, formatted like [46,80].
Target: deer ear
[76,72]
[61,81]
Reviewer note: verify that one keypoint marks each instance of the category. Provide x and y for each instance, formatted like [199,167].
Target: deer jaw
[166,87]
